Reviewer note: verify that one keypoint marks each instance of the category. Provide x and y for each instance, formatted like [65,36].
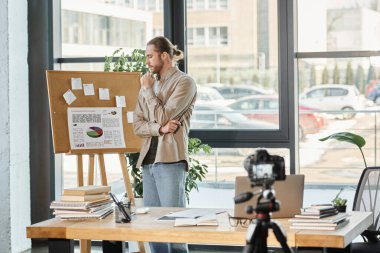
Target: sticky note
[69,97]
[76,83]
[88,89]
[104,94]
[130,117]
[120,101]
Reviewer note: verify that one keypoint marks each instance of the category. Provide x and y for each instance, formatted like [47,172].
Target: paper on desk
[207,220]
[190,213]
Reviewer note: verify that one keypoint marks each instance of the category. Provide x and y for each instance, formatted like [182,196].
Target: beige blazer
[175,99]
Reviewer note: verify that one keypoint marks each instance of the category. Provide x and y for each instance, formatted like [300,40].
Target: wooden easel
[103,175]
[119,84]
[85,245]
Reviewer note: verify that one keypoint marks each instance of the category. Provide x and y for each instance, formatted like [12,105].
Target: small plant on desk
[340,203]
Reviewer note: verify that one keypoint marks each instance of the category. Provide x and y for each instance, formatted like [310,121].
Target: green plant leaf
[347,137]
[350,138]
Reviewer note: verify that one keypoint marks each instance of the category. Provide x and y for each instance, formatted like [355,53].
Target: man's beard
[157,69]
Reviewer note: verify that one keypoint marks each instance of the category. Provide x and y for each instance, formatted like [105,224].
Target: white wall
[14,127]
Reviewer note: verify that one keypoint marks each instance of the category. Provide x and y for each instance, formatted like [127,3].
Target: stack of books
[84,202]
[317,211]
[319,218]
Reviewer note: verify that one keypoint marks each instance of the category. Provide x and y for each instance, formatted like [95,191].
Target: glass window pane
[234,61]
[340,97]
[108,25]
[338,25]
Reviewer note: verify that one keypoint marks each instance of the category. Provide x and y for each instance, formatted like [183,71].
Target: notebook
[288,192]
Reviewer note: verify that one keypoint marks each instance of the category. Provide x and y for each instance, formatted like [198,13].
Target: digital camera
[264,168]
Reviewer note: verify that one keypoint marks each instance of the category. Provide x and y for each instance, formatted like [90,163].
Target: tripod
[257,233]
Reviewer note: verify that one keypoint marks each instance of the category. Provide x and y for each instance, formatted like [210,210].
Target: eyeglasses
[236,221]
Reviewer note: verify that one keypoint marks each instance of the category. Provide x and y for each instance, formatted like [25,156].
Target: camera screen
[262,170]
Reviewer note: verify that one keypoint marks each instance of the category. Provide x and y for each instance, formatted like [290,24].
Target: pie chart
[94,132]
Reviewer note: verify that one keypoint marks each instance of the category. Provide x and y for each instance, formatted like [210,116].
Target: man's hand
[170,127]
[147,81]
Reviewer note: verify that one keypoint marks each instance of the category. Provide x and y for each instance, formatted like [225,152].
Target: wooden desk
[146,228]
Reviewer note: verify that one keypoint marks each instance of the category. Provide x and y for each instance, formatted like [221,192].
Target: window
[338,26]
[316,93]
[337,92]
[226,58]
[207,36]
[199,38]
[336,74]
[207,4]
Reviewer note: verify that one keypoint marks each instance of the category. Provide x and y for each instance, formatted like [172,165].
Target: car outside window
[335,92]
[318,93]
[270,104]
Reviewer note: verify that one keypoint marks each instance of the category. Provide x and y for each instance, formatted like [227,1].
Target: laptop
[288,192]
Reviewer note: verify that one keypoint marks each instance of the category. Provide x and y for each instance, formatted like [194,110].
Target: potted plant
[339,203]
[135,62]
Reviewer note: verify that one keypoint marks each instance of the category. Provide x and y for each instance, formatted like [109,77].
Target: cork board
[118,83]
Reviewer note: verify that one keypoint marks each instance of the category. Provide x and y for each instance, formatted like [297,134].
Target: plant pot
[341,209]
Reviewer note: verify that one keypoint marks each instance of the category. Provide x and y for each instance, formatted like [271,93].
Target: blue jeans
[164,186]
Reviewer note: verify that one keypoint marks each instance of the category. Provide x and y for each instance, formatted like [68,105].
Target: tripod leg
[256,238]
[280,236]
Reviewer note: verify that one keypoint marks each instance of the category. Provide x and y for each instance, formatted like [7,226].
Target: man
[162,119]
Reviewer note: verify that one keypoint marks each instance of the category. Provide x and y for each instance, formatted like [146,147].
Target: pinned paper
[104,94]
[130,117]
[69,97]
[76,83]
[120,101]
[88,89]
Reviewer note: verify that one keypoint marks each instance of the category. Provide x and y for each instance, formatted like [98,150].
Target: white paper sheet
[76,83]
[190,213]
[95,127]
[120,101]
[104,94]
[69,97]
[130,117]
[88,89]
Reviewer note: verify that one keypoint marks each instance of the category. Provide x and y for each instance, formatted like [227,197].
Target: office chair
[367,198]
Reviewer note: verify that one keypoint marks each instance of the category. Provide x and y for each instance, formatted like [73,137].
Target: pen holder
[120,214]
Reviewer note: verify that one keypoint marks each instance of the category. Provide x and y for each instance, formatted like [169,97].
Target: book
[87,190]
[89,210]
[77,216]
[207,220]
[329,219]
[322,214]
[90,197]
[319,209]
[315,216]
[321,227]
[79,205]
